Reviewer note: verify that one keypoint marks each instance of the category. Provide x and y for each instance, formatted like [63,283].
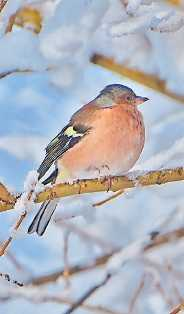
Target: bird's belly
[120,157]
[109,154]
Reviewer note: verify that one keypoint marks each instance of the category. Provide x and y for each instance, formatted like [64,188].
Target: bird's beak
[139,100]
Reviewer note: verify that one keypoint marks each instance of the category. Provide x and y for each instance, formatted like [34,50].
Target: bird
[105,137]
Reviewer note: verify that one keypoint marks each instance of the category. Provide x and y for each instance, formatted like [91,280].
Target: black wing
[66,139]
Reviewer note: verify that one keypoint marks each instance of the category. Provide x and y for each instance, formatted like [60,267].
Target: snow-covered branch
[148,80]
[101,185]
[128,31]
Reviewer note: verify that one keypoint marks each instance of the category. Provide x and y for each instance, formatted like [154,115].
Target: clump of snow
[102,26]
[133,175]
[30,181]
[77,205]
[132,6]
[147,16]
[16,234]
[25,46]
[25,202]
[60,37]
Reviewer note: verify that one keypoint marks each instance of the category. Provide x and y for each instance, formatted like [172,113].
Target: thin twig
[2,4]
[66,272]
[112,197]
[168,237]
[179,309]
[18,265]
[85,235]
[136,294]
[163,294]
[7,277]
[23,71]
[44,298]
[10,24]
[4,246]
[87,295]
[143,248]
[53,276]
[158,241]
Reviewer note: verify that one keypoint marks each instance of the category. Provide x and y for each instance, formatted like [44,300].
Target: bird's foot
[108,181]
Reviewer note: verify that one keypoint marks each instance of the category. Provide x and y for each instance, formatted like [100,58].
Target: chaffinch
[105,137]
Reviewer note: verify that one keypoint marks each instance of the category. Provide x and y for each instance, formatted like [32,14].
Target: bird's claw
[108,181]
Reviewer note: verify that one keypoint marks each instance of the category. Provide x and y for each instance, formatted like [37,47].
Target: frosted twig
[7,242]
[178,310]
[114,264]
[117,260]
[132,6]
[162,292]
[36,296]
[19,266]
[66,272]
[23,71]
[86,236]
[173,117]
[22,204]
[2,4]
[53,276]
[75,269]
[7,277]
[137,294]
[110,198]
[10,24]
[172,25]
[163,157]
[87,295]
[165,238]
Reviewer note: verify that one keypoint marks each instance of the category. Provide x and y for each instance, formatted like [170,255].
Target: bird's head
[118,94]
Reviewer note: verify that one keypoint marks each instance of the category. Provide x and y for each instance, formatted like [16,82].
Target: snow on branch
[148,80]
[102,26]
[100,185]
[2,4]
[152,15]
[156,241]
[117,260]
[178,310]
[8,278]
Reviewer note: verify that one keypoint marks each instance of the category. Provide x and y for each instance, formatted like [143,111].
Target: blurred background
[55,56]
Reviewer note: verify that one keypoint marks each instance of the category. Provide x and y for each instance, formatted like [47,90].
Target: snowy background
[35,106]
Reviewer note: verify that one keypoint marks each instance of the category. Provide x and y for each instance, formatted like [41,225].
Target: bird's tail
[42,218]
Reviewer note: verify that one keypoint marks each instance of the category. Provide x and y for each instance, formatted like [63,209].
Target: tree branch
[38,297]
[174,2]
[53,276]
[102,185]
[161,239]
[2,4]
[87,295]
[178,310]
[153,242]
[148,80]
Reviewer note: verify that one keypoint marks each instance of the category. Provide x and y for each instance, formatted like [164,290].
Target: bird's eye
[129,98]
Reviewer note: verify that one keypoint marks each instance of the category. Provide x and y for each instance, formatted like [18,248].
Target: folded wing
[66,139]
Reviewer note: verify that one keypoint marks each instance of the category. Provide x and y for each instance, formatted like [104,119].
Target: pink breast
[116,140]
